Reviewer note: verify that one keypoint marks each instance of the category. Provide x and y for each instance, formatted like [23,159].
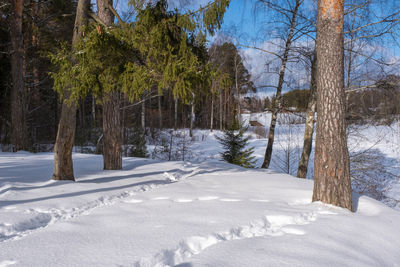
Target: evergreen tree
[235,151]
[332,184]
[137,142]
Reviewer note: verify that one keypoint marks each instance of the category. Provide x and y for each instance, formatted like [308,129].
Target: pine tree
[332,182]
[235,151]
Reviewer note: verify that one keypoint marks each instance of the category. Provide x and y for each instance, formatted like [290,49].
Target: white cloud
[264,67]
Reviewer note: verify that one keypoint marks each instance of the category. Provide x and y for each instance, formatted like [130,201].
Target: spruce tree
[235,151]
[137,144]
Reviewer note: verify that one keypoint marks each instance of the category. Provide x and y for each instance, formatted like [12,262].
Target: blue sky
[244,23]
[240,15]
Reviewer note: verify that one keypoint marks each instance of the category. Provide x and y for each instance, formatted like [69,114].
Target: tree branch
[115,13]
[96,18]
[260,49]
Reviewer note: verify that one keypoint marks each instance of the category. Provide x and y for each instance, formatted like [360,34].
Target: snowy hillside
[156,213]
[374,153]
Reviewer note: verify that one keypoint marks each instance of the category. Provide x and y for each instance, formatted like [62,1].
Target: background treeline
[47,26]
[379,103]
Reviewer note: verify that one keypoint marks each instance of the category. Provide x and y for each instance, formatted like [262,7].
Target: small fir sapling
[235,151]
[137,144]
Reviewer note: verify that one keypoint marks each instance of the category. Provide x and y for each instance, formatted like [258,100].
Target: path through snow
[171,213]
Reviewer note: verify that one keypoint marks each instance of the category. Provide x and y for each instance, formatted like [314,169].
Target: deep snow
[374,151]
[156,213]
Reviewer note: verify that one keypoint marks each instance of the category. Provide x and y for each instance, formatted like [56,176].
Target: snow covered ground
[374,152]
[201,212]
[155,213]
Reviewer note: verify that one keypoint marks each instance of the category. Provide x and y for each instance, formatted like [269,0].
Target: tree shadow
[184,264]
[108,179]
[4,203]
[356,197]
[100,180]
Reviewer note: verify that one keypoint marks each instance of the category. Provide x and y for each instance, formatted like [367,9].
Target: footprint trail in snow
[41,218]
[269,225]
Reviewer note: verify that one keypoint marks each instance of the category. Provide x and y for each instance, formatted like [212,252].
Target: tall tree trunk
[309,126]
[332,183]
[212,113]
[276,106]
[160,122]
[225,109]
[239,118]
[124,139]
[191,116]
[63,166]
[143,114]
[176,114]
[19,132]
[183,116]
[93,112]
[221,110]
[112,131]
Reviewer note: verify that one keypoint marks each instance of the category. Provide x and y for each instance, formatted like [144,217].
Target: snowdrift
[156,213]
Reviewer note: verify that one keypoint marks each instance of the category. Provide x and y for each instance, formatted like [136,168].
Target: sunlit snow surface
[155,213]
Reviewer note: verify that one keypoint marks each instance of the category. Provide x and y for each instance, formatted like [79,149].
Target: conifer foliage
[137,144]
[235,152]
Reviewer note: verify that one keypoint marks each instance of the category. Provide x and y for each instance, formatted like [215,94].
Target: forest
[112,103]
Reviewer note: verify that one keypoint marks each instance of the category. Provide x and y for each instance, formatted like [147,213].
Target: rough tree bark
[112,130]
[278,97]
[63,166]
[309,125]
[331,165]
[19,132]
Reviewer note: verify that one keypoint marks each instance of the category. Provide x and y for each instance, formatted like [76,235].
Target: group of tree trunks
[331,171]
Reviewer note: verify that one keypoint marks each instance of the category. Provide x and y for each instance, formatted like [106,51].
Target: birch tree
[295,26]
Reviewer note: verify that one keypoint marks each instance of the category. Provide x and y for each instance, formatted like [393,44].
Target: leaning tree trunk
[19,132]
[112,130]
[63,166]
[276,106]
[332,183]
[309,126]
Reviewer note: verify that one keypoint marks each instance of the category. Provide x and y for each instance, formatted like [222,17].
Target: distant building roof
[255,123]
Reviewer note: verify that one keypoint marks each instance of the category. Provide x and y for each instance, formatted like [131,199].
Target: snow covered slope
[180,214]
